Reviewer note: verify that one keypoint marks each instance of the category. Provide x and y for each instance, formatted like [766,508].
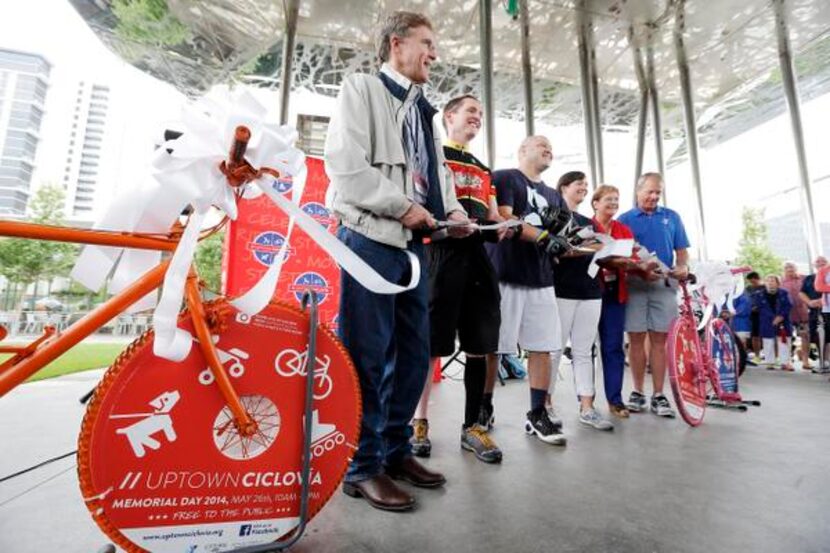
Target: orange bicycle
[236,446]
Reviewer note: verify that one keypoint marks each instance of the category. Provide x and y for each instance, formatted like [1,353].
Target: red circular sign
[686,370]
[162,466]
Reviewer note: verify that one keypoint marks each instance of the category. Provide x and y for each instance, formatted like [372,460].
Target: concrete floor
[756,482]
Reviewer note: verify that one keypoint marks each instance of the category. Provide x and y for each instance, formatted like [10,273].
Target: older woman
[776,329]
[606,203]
[578,297]
[799,312]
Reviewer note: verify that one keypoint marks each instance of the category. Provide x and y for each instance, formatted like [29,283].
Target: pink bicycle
[703,360]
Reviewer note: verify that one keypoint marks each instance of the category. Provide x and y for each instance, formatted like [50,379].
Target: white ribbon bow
[716,280]
[190,175]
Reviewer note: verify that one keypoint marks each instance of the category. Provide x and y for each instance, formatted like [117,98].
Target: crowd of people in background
[494,279]
[778,318]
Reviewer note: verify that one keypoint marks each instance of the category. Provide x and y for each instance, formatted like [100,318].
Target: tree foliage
[148,22]
[24,261]
[754,250]
[208,258]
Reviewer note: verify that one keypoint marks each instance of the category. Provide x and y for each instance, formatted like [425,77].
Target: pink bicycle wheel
[686,372]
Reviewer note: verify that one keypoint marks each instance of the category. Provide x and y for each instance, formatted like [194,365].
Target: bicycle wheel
[686,372]
[723,351]
[161,464]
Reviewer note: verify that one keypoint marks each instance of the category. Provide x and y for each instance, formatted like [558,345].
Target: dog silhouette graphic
[140,434]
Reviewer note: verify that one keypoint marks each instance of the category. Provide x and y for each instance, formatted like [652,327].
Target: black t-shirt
[571,277]
[520,262]
[808,286]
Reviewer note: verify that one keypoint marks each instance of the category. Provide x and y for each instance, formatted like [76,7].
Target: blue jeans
[611,331]
[388,339]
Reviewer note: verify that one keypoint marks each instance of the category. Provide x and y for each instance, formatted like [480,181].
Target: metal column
[292,9]
[793,104]
[527,75]
[656,123]
[596,115]
[485,24]
[689,117]
[583,21]
[642,119]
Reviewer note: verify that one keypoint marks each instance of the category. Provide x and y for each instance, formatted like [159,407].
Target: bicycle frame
[29,359]
[690,390]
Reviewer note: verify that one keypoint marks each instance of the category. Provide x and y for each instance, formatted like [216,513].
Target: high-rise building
[83,155]
[24,80]
[785,235]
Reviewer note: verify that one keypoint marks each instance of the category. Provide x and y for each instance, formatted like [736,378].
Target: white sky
[751,169]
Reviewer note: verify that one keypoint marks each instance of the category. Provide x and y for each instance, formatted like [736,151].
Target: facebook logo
[245,530]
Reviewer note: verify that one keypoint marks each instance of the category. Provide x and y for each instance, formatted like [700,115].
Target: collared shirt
[417,139]
[614,279]
[660,231]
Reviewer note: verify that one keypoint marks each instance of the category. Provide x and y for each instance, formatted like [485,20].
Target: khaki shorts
[651,306]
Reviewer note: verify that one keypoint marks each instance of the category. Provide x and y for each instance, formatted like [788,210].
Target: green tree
[148,22]
[754,249]
[24,261]
[208,258]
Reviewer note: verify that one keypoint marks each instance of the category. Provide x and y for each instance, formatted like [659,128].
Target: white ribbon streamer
[345,258]
[172,342]
[254,300]
[716,280]
[477,226]
[190,175]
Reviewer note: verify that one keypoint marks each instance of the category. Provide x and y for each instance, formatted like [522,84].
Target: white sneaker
[593,419]
[661,407]
[553,415]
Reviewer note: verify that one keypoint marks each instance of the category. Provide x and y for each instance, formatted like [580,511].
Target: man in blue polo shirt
[652,299]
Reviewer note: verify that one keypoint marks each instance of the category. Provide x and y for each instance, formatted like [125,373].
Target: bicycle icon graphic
[290,362]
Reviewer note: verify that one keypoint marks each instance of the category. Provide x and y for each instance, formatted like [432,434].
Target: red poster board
[256,236]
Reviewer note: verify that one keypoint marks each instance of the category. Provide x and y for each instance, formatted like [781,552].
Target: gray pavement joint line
[39,484]
[37,466]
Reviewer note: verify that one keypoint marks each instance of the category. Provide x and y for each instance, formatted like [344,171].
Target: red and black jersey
[473,186]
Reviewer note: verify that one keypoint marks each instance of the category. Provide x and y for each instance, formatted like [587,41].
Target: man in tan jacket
[384,159]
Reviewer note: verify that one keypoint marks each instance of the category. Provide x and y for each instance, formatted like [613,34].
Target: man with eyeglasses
[385,160]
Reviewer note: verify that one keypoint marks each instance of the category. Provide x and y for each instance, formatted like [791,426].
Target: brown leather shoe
[410,470]
[381,493]
[620,411]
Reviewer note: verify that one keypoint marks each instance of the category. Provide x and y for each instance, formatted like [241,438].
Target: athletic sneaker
[538,424]
[590,417]
[820,370]
[553,415]
[486,417]
[421,446]
[661,407]
[477,440]
[636,402]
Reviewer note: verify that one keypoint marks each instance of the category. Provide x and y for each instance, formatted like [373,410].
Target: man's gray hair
[645,176]
[398,24]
